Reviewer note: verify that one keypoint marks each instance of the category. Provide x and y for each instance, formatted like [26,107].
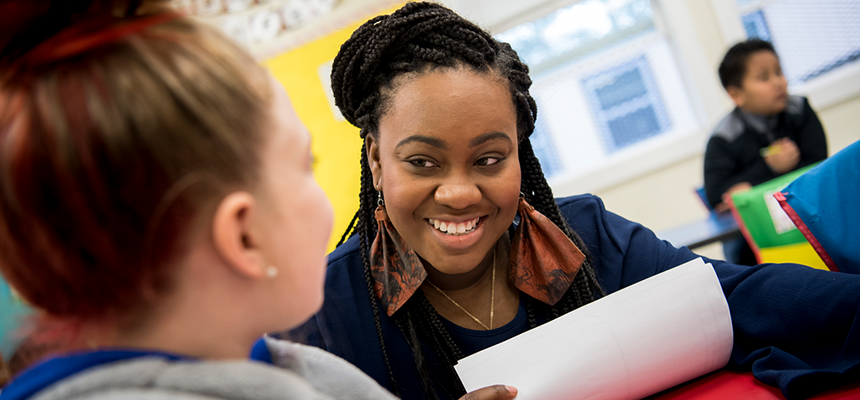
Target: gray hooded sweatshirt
[301,372]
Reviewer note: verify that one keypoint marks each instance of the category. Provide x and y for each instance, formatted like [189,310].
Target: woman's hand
[495,392]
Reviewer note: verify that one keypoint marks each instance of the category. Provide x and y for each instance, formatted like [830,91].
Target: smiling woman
[445,116]
[445,160]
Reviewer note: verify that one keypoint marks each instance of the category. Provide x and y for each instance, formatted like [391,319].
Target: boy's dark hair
[734,64]
[413,40]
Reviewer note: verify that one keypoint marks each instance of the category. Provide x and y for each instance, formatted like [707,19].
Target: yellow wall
[336,143]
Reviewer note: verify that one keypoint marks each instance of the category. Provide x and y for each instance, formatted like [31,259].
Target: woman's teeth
[453,228]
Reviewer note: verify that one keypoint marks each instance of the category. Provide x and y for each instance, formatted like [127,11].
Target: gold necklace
[492,297]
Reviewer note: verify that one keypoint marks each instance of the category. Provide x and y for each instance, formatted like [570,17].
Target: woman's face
[446,160]
[296,215]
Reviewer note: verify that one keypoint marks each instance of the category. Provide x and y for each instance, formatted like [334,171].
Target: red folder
[727,384]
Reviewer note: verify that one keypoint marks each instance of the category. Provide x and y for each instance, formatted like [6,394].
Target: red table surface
[727,384]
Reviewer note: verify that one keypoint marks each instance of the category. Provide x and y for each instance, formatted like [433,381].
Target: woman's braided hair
[417,38]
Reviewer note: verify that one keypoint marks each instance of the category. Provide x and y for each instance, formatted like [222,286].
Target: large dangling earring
[396,269]
[543,260]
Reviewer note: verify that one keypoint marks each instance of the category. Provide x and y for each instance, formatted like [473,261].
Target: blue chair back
[700,191]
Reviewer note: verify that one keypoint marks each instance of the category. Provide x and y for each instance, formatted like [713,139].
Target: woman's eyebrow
[435,142]
[480,139]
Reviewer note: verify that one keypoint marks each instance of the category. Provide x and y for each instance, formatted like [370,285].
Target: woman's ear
[233,233]
[372,149]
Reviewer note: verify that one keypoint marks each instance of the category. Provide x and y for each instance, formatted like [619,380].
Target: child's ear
[737,94]
[235,236]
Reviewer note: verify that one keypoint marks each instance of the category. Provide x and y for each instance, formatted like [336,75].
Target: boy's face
[763,89]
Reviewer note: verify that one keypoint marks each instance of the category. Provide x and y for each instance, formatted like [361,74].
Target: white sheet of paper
[645,338]
[782,223]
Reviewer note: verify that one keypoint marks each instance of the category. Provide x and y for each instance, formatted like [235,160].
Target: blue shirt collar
[260,352]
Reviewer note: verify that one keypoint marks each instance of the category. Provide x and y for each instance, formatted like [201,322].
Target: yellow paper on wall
[304,72]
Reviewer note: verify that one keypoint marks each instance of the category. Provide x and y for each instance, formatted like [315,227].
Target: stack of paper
[648,337]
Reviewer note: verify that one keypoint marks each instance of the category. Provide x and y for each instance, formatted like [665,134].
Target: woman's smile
[454,228]
[458,240]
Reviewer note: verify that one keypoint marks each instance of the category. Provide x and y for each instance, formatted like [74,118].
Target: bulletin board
[304,72]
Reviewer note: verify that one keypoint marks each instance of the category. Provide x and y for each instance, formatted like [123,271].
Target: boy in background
[768,134]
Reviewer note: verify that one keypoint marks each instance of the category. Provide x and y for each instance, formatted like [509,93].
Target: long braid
[431,328]
[446,347]
[405,320]
[346,233]
[366,230]
[530,314]
[417,38]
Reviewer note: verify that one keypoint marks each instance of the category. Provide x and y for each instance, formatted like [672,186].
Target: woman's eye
[487,161]
[422,163]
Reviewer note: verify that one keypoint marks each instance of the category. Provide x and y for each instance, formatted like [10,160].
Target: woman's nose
[458,195]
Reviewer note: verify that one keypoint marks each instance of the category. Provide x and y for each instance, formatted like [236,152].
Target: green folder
[768,224]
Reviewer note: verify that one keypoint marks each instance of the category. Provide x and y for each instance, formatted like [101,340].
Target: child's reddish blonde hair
[117,130]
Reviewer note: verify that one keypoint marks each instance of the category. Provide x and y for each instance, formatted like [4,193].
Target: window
[626,103]
[812,37]
[577,29]
[605,81]
[755,25]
